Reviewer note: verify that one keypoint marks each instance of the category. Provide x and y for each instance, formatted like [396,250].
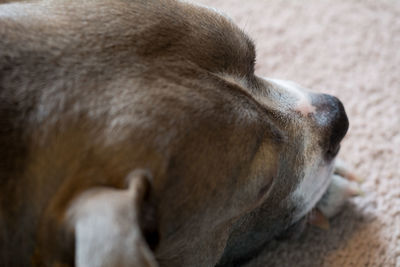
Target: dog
[136,133]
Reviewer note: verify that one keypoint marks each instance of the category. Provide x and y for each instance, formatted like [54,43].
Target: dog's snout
[331,116]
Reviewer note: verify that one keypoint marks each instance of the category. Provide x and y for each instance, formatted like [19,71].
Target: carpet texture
[350,49]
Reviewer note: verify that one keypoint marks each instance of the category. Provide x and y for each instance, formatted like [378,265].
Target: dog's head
[285,139]
[236,158]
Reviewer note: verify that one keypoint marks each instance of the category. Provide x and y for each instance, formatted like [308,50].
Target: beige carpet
[350,49]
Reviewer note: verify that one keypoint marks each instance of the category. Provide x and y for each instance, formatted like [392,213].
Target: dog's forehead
[200,35]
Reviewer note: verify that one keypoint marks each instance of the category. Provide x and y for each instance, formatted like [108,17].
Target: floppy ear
[107,225]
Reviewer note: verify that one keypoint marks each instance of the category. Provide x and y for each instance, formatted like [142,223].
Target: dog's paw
[339,191]
[344,185]
[346,172]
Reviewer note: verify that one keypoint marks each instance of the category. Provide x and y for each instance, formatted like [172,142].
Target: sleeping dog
[136,133]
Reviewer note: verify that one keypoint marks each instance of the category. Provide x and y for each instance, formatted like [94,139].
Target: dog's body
[125,121]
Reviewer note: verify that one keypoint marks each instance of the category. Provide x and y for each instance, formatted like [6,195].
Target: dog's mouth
[333,151]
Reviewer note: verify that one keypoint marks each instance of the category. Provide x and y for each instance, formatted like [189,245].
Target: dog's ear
[111,225]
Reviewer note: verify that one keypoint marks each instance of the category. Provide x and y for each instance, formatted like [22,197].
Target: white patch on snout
[303,104]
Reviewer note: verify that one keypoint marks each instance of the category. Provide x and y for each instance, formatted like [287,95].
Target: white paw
[346,172]
[342,188]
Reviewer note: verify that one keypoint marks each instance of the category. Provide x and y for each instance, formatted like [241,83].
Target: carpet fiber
[350,49]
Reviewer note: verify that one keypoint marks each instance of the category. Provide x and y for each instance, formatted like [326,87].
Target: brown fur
[91,91]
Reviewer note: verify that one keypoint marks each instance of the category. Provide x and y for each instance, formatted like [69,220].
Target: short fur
[91,91]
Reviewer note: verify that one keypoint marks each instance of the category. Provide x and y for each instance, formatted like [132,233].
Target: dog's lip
[333,151]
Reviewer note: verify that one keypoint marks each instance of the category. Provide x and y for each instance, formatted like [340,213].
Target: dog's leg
[341,188]
[345,171]
[107,227]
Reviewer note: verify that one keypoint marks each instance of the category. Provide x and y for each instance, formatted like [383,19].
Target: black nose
[332,118]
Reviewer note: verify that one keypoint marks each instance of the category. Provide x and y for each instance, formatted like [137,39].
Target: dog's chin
[294,231]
